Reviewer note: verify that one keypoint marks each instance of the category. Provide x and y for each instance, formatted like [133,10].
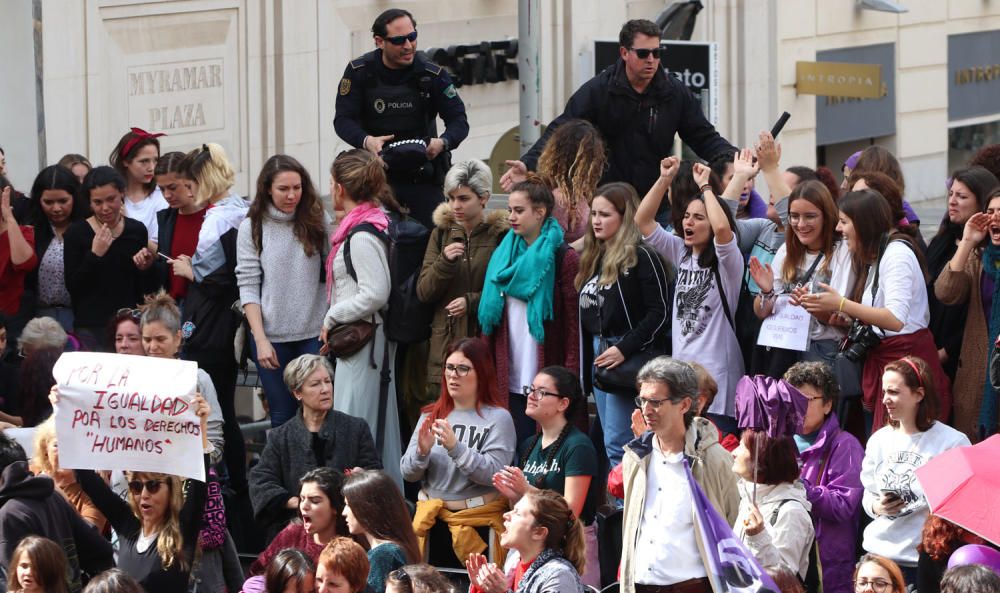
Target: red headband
[920,377]
[138,136]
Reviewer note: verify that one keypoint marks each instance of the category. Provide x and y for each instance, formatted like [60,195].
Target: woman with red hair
[461,440]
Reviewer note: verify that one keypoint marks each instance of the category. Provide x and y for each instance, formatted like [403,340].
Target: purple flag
[732,568]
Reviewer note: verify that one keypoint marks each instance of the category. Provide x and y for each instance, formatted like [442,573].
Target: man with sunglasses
[394,94]
[660,551]
[638,108]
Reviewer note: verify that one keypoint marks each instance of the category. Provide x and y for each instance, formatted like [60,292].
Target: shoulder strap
[812,268]
[722,295]
[365,227]
[777,509]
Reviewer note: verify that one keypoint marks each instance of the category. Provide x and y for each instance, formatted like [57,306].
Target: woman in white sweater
[893,496]
[359,188]
[281,275]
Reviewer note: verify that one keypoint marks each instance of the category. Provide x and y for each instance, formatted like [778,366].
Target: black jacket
[289,454]
[29,505]
[636,308]
[638,129]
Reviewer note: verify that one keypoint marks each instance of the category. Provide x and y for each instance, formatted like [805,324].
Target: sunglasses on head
[126,312]
[401,39]
[643,53]
[152,486]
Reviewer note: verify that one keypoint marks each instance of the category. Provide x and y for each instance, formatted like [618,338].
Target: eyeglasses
[401,39]
[795,217]
[643,53]
[126,312]
[654,403]
[876,585]
[152,486]
[537,393]
[461,370]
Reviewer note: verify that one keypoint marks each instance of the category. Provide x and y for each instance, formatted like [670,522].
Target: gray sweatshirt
[281,279]
[485,444]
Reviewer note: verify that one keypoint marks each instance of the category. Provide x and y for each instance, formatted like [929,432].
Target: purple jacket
[836,500]
[755,206]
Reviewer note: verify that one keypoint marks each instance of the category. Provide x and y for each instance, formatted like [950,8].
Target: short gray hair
[679,377]
[299,369]
[42,332]
[473,174]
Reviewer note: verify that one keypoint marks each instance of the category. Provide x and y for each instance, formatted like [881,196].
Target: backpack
[407,320]
[813,582]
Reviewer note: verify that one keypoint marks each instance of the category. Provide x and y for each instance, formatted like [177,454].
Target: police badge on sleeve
[345,86]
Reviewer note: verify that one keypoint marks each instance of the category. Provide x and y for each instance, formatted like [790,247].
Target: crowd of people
[428,365]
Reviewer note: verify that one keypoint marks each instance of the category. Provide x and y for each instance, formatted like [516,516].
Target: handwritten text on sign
[788,327]
[124,412]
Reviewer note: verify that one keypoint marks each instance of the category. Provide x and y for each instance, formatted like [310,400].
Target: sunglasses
[401,39]
[643,53]
[402,578]
[152,486]
[126,312]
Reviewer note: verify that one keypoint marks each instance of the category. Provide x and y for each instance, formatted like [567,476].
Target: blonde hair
[619,253]
[169,542]
[574,159]
[209,167]
[45,433]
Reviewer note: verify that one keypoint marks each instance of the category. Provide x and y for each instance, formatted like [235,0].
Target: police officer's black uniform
[374,100]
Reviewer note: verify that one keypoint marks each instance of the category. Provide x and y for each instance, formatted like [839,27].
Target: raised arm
[768,160]
[713,208]
[645,215]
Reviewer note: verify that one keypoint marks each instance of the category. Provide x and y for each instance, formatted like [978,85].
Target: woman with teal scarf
[527,310]
[973,276]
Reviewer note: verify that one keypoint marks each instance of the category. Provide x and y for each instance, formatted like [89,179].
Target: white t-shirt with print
[701,331]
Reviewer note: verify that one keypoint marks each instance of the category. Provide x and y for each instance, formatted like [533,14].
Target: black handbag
[622,377]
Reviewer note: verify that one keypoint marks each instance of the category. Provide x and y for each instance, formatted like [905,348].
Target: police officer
[393,94]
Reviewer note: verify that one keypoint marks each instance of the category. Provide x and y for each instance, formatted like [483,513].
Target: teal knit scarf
[525,272]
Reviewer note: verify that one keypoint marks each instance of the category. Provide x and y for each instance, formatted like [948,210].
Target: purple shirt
[835,495]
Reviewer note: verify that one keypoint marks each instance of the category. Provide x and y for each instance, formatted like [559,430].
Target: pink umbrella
[962,485]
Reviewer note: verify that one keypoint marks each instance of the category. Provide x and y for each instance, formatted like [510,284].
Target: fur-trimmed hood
[444,218]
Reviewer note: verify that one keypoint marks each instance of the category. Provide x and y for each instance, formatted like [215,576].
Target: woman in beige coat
[454,267]
[960,282]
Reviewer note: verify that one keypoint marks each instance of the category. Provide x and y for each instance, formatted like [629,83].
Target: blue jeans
[64,315]
[281,404]
[614,410]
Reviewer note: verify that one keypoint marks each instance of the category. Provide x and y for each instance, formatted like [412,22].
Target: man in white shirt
[660,551]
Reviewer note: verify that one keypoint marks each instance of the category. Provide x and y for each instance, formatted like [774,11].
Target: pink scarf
[362,213]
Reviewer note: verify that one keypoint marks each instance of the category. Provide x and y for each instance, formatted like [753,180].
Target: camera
[861,339]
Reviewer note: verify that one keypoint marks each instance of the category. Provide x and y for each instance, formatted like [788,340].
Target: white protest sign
[129,413]
[788,327]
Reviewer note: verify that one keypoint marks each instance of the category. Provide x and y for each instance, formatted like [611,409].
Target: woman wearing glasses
[461,440]
[878,575]
[811,254]
[158,524]
[560,457]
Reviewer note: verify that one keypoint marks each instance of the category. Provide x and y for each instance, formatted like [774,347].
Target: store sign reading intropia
[973,75]
[178,96]
[838,79]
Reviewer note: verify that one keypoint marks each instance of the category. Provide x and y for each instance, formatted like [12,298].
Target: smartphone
[890,495]
[161,254]
[780,124]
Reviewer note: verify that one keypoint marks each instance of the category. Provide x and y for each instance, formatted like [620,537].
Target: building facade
[261,76]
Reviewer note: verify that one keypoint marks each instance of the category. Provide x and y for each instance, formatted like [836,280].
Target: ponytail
[362,175]
[209,167]
[565,530]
